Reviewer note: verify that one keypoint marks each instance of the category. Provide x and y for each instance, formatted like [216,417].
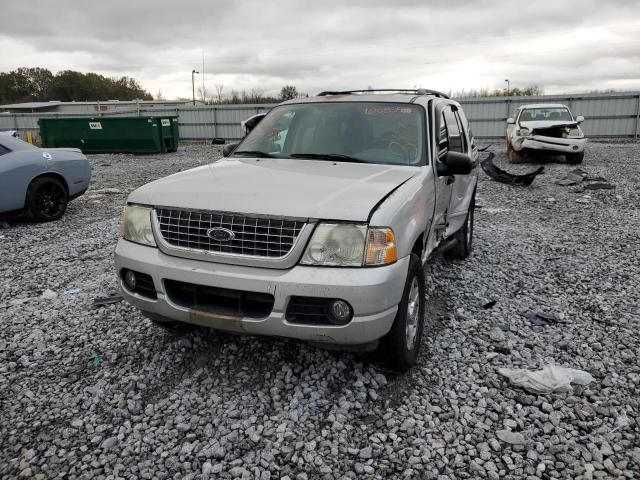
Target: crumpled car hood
[534,124]
[287,187]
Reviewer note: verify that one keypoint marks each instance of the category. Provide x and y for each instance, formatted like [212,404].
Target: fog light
[341,312]
[130,280]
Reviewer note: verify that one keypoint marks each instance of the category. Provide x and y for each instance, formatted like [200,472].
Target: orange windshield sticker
[383,110]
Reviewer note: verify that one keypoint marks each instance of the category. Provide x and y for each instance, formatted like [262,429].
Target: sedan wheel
[46,199]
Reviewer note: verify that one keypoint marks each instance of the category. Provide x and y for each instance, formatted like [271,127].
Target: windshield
[15,144]
[387,133]
[543,114]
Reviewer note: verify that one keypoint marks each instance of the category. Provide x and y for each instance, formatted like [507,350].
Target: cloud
[328,44]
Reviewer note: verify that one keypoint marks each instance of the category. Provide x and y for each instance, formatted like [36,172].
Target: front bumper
[552,144]
[374,294]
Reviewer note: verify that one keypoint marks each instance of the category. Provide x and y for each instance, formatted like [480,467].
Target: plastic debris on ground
[505,177]
[543,319]
[104,301]
[570,179]
[551,378]
[599,186]
[73,291]
[96,360]
[489,304]
[582,178]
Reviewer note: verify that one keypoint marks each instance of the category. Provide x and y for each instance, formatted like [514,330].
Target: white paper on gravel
[551,378]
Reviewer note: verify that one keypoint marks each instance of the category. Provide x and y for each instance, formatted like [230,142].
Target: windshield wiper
[253,153]
[328,156]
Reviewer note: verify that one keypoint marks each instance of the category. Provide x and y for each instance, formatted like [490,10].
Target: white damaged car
[547,128]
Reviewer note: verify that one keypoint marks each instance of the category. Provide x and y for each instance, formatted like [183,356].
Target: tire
[46,199]
[464,235]
[575,158]
[175,327]
[515,157]
[399,349]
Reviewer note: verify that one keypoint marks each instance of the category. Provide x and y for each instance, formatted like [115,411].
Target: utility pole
[193,86]
[508,85]
[204,100]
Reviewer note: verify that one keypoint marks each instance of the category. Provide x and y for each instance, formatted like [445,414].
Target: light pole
[193,86]
[508,85]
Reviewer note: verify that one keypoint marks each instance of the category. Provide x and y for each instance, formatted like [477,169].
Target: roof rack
[414,91]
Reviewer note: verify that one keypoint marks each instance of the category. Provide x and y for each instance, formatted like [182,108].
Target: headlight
[136,225]
[349,245]
[523,132]
[572,132]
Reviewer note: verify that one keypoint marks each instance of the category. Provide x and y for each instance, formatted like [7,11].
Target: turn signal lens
[381,247]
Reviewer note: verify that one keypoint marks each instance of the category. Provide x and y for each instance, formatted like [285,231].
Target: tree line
[40,85]
[234,97]
[499,92]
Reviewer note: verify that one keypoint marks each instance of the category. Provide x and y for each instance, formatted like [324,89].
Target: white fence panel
[606,115]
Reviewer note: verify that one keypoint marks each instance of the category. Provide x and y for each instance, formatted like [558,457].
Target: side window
[456,141]
[462,129]
[443,140]
[4,150]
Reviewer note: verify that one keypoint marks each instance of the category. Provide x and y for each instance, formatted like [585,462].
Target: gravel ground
[102,393]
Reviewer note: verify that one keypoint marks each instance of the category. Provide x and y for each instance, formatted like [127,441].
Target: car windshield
[15,144]
[368,132]
[544,114]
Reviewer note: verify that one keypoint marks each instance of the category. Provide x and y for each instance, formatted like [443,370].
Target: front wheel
[46,199]
[575,158]
[401,346]
[514,156]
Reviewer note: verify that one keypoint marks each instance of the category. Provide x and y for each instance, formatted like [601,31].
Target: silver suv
[315,226]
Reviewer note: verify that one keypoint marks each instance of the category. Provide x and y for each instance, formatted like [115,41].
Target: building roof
[57,103]
[32,105]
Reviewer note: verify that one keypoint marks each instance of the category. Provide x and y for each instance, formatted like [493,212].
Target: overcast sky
[565,46]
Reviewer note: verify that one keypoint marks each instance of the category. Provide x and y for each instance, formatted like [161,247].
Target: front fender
[408,211]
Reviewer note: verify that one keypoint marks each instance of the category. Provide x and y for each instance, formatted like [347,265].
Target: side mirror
[510,121]
[579,119]
[455,163]
[252,122]
[229,148]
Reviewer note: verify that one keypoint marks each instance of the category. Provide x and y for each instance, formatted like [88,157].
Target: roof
[386,97]
[543,105]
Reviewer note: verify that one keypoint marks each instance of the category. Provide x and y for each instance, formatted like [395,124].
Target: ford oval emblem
[220,234]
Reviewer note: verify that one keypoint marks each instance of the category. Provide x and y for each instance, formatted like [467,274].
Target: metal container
[111,134]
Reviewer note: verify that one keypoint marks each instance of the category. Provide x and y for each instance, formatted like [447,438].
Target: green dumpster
[111,134]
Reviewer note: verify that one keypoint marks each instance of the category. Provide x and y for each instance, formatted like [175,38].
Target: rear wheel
[464,236]
[575,158]
[401,346]
[46,199]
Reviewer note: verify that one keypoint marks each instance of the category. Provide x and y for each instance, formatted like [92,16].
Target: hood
[287,187]
[534,124]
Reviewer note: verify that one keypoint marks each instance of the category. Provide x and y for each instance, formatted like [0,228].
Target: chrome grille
[271,237]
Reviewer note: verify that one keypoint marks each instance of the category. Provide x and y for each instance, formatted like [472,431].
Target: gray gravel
[102,393]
